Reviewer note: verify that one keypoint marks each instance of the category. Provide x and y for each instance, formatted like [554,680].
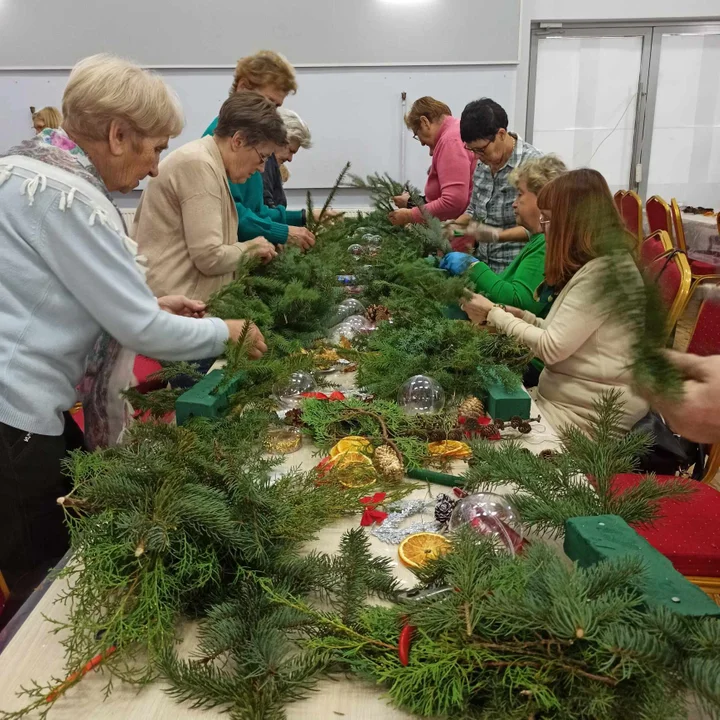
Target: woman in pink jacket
[449,183]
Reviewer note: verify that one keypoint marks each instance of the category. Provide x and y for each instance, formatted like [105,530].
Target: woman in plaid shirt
[490,218]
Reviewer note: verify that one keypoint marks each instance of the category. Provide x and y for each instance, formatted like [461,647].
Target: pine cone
[471,407]
[436,436]
[524,428]
[548,455]
[456,434]
[488,431]
[499,424]
[388,463]
[444,508]
[377,313]
[294,418]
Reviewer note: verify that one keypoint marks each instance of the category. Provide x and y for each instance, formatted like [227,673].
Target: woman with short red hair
[585,347]
[449,183]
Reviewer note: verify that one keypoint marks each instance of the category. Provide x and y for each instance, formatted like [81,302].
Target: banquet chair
[671,273]
[631,211]
[659,215]
[700,269]
[705,336]
[617,197]
[653,246]
[4,593]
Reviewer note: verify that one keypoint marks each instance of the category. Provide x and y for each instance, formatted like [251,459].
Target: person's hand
[260,249]
[401,201]
[255,342]
[180,305]
[695,416]
[300,237]
[456,263]
[330,215]
[401,217]
[483,233]
[477,308]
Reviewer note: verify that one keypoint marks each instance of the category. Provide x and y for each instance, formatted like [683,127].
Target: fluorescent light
[406,3]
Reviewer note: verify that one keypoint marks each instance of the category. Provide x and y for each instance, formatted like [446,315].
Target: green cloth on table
[255,218]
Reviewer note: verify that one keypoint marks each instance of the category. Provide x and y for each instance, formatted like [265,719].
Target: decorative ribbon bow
[371,514]
[334,396]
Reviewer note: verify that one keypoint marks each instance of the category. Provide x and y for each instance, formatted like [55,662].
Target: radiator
[128,215]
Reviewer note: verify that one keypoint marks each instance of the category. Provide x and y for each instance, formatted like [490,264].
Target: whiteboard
[160,33]
[354,114]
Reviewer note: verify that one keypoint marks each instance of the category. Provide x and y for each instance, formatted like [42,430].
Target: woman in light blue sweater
[73,297]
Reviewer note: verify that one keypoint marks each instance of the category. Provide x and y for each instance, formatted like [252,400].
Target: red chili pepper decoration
[72,679]
[404,644]
[336,396]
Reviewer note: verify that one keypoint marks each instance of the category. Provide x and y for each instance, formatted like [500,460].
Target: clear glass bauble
[359,323]
[345,309]
[290,394]
[421,395]
[340,332]
[492,515]
[356,250]
[372,240]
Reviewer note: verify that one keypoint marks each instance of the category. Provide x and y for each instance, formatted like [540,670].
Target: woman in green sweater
[520,284]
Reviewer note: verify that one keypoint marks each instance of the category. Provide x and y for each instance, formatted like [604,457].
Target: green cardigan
[518,283]
[254,216]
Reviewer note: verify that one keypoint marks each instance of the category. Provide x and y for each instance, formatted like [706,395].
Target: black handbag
[669,453]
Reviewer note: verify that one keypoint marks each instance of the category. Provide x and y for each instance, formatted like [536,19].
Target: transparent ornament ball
[356,250]
[340,332]
[371,239]
[289,394]
[492,515]
[359,323]
[421,395]
[345,309]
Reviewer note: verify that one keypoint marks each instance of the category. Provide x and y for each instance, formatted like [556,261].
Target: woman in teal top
[273,77]
[520,284]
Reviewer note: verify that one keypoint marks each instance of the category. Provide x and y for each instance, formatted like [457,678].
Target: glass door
[684,113]
[586,102]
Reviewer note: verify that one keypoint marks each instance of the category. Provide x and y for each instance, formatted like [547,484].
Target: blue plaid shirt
[491,203]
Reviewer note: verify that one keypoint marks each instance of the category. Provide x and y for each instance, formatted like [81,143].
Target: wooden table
[35,654]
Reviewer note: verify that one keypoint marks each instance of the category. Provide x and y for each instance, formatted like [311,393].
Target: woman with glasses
[449,183]
[585,348]
[271,75]
[490,218]
[186,223]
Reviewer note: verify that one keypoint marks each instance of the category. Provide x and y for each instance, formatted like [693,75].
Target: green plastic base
[503,405]
[201,401]
[589,540]
[453,312]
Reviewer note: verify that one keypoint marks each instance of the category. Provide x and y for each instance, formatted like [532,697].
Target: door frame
[545,30]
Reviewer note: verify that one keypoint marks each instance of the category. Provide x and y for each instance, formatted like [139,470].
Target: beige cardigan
[586,351]
[186,224]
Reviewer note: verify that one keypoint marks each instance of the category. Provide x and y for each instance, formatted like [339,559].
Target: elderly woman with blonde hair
[298,136]
[74,295]
[47,117]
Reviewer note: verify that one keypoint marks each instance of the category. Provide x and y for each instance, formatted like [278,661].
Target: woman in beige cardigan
[186,223]
[586,350]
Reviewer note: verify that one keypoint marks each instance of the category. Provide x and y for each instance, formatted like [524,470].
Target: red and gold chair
[631,211]
[4,593]
[701,270]
[672,274]
[653,246]
[617,197]
[659,215]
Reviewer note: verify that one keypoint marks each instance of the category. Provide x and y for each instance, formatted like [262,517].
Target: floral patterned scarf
[108,369]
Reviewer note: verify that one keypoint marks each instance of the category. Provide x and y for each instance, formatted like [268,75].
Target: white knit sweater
[586,352]
[68,272]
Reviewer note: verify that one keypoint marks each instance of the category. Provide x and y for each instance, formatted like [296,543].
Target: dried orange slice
[450,448]
[415,550]
[351,443]
[354,469]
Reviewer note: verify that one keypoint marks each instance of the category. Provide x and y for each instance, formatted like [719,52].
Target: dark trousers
[33,536]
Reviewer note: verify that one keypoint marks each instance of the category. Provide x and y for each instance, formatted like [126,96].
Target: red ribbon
[371,514]
[334,396]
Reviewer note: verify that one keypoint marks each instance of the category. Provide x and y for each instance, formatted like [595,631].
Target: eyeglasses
[481,150]
[262,158]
